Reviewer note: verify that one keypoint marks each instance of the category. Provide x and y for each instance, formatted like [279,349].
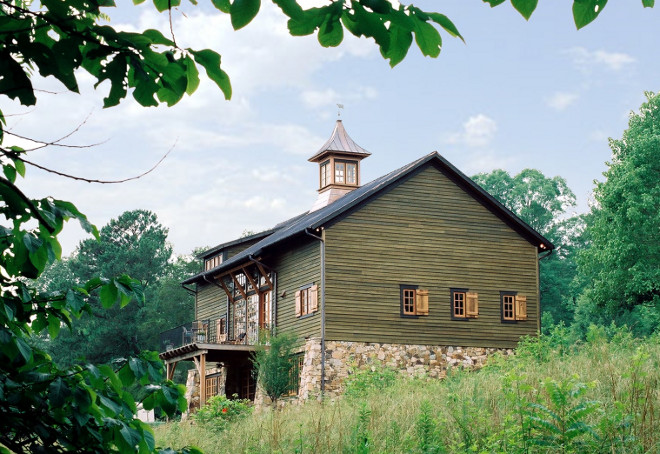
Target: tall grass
[600,396]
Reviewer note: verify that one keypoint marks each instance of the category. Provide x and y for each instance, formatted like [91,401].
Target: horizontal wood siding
[211,302]
[297,267]
[430,233]
[235,249]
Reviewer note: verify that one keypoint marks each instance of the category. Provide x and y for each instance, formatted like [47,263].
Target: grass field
[597,396]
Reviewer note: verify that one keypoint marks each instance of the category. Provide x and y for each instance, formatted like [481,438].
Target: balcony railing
[208,331]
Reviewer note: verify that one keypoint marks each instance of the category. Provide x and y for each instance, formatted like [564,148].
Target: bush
[362,382]
[220,410]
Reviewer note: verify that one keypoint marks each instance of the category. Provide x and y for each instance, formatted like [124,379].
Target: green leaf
[210,60]
[291,8]
[10,172]
[192,75]
[494,3]
[648,3]
[446,24]
[53,326]
[14,82]
[400,41]
[58,391]
[20,167]
[331,33]
[243,11]
[222,5]
[109,295]
[163,5]
[525,7]
[427,37]
[24,349]
[585,11]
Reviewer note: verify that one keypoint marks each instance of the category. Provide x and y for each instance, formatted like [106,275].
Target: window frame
[214,261]
[305,290]
[326,177]
[403,288]
[452,308]
[512,295]
[339,164]
[295,373]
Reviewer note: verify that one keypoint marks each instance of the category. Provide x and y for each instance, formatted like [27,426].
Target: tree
[541,202]
[136,244]
[623,262]
[273,364]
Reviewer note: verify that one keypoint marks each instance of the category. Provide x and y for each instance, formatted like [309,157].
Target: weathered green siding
[211,302]
[297,267]
[427,232]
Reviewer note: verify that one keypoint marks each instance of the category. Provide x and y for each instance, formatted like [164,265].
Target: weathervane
[339,106]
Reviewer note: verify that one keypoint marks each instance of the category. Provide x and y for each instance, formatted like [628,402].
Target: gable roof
[310,221]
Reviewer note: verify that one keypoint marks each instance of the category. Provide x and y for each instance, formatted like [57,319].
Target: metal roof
[354,199]
[340,142]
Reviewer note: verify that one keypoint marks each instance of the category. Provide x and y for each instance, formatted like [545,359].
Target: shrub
[362,382]
[220,410]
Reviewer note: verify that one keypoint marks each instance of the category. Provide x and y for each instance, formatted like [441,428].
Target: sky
[517,94]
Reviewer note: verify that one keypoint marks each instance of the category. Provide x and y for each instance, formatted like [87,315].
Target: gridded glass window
[351,173]
[408,301]
[508,307]
[297,362]
[340,171]
[325,174]
[459,304]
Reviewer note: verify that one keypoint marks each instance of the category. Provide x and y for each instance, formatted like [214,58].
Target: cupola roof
[340,142]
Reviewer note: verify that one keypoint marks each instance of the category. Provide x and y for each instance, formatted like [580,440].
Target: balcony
[208,331]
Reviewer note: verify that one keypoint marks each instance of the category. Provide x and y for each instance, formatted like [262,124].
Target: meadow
[598,395]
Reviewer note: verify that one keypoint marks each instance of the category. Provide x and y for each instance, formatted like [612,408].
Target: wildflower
[224,410]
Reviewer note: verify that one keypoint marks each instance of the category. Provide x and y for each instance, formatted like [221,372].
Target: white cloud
[587,60]
[321,100]
[561,100]
[478,131]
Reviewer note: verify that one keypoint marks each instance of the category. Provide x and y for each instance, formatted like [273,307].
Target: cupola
[339,166]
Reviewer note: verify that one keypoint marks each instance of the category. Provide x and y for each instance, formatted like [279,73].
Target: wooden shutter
[422,302]
[298,307]
[521,307]
[472,304]
[313,296]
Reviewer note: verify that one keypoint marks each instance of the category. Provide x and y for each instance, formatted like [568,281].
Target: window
[351,173]
[212,262]
[307,300]
[340,169]
[325,174]
[414,301]
[464,304]
[514,306]
[297,362]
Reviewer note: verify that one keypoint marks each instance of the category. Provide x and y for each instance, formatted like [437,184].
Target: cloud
[587,60]
[561,100]
[478,131]
[322,99]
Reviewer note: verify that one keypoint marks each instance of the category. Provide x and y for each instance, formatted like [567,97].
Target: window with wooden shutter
[298,305]
[313,298]
[459,303]
[521,307]
[422,302]
[472,304]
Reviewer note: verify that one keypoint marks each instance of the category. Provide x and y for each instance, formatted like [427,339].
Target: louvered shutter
[422,302]
[298,308]
[313,298]
[521,307]
[472,304]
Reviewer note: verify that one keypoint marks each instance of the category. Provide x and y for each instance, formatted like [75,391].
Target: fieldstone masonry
[413,360]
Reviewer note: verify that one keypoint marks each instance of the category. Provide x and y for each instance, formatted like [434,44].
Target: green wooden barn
[420,269]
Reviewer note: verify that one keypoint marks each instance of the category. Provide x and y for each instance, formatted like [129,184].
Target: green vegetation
[555,395]
[273,365]
[219,411]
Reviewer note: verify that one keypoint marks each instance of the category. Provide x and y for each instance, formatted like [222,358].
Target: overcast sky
[517,95]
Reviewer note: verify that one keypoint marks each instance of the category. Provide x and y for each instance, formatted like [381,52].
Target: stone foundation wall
[413,360]
[192,388]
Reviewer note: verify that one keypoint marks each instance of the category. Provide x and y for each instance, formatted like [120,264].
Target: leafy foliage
[623,262]
[362,382]
[78,408]
[134,243]
[220,410]
[273,365]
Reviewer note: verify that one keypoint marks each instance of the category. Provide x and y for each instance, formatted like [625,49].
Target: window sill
[302,317]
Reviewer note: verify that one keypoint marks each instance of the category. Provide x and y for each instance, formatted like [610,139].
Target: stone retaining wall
[413,360]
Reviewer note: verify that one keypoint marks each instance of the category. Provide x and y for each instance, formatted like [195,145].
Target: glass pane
[351,174]
[339,172]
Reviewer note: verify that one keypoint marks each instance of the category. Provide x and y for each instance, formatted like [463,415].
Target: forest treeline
[605,267]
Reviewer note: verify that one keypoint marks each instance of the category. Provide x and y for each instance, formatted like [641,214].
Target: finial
[339,106]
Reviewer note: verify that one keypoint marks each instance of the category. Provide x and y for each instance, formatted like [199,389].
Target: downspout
[322,247]
[538,286]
